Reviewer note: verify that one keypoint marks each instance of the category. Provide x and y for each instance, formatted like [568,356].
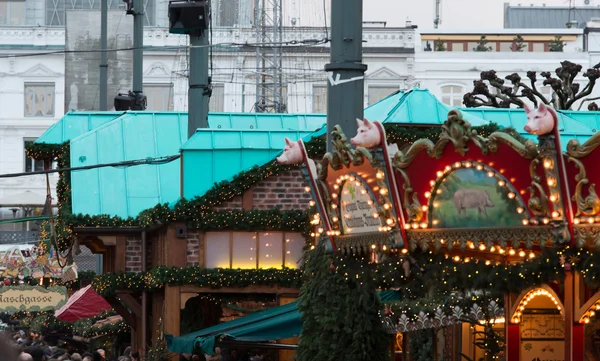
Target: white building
[32,69]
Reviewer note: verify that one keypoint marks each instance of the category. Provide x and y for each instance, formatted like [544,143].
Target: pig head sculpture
[368,135]
[540,121]
[291,153]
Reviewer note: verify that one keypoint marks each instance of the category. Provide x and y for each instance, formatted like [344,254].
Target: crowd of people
[22,347]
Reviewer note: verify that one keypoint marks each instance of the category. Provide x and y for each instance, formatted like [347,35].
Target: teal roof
[74,124]
[266,121]
[415,107]
[570,128]
[273,324]
[127,191]
[239,149]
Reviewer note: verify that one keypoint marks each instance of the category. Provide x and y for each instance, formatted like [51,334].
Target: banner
[32,298]
[22,261]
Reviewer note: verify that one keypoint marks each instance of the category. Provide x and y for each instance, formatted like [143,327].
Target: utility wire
[128,163]
[291,43]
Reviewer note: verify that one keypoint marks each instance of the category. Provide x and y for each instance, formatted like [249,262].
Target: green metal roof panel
[127,191]
[382,108]
[591,119]
[206,153]
[74,124]
[420,107]
[265,121]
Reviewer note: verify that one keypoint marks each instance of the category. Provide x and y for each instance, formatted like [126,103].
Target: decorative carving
[343,154]
[528,150]
[590,205]
[402,160]
[39,70]
[586,235]
[577,150]
[157,69]
[442,317]
[362,244]
[458,131]
[530,236]
[414,210]
[384,73]
[537,205]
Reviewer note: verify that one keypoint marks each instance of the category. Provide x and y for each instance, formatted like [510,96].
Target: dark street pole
[104,56]
[345,93]
[138,44]
[199,86]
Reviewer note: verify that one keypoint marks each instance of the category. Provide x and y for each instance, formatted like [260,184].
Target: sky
[455,14]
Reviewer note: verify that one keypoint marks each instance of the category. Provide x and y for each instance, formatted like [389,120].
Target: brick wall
[133,254]
[194,250]
[285,190]
[235,203]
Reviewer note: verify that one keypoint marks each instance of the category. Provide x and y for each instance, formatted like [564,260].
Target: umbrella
[23,200]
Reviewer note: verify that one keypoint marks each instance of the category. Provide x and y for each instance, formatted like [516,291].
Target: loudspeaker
[130,101]
[188,17]
[181,232]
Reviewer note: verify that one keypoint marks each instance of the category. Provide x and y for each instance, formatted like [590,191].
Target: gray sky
[456,14]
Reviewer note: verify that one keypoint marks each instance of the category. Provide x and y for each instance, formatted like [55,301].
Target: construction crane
[437,19]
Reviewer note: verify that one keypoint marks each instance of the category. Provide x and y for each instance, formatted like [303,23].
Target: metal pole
[199,92]
[258,25]
[144,293]
[345,101]
[138,44]
[104,55]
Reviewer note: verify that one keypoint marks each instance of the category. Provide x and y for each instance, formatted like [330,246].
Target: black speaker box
[187,17]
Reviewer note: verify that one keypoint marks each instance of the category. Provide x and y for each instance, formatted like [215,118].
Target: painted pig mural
[368,135]
[291,153]
[540,121]
[472,198]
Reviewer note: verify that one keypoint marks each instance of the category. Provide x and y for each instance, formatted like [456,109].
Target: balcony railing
[19,237]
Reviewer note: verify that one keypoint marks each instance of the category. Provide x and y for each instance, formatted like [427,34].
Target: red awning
[84,303]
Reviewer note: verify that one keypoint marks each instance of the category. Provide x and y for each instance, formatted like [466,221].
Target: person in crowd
[36,352]
[24,357]
[76,357]
[135,356]
[127,351]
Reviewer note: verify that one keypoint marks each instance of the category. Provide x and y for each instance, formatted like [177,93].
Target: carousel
[497,199]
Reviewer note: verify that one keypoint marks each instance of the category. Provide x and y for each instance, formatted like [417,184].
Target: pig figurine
[368,135]
[540,121]
[291,153]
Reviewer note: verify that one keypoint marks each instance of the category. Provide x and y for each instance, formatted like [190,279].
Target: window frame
[257,236]
[171,87]
[380,86]
[314,94]
[451,95]
[9,12]
[39,84]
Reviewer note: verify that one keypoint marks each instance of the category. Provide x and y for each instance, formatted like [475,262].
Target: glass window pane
[270,250]
[217,99]
[506,46]
[539,47]
[458,46]
[39,100]
[217,250]
[159,96]
[294,250]
[377,93]
[3,12]
[244,250]
[16,15]
[319,99]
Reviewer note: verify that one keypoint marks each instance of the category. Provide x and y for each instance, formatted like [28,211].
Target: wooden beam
[131,303]
[248,200]
[120,259]
[122,311]
[245,290]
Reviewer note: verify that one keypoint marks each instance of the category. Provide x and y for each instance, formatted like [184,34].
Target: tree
[556,45]
[566,90]
[482,44]
[518,44]
[438,45]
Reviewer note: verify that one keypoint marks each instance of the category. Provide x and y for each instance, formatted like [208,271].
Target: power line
[128,163]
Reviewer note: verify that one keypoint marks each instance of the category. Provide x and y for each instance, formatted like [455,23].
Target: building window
[248,250]
[39,99]
[31,165]
[228,13]
[377,93]
[539,47]
[12,12]
[547,92]
[217,99]
[159,96]
[459,47]
[56,10]
[452,95]
[319,99]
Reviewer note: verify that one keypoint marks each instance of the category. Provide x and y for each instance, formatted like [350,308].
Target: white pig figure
[368,135]
[291,153]
[540,121]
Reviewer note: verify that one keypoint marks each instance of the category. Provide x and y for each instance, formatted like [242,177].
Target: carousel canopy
[274,324]
[23,199]
[84,303]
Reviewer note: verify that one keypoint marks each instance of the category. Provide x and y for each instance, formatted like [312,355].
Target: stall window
[217,250]
[244,250]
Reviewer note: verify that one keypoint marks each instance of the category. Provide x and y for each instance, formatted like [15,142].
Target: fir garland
[156,278]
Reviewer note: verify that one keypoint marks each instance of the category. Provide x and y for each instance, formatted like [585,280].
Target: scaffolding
[268,16]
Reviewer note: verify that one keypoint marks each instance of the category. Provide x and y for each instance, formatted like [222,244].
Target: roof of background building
[547,17]
[259,138]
